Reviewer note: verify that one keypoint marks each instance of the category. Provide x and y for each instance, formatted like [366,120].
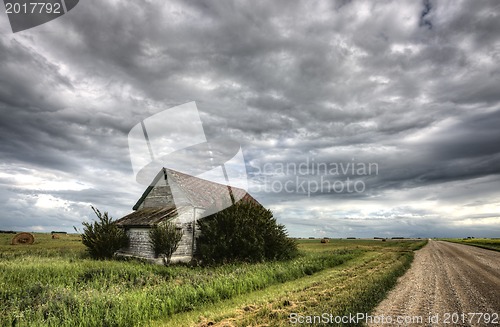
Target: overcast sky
[410,89]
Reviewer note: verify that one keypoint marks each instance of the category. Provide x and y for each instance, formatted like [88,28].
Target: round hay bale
[23,238]
[55,236]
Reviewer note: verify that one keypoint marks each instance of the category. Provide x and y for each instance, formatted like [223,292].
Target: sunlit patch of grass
[67,246]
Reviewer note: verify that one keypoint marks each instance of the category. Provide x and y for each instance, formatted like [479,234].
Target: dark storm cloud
[464,149]
[411,86]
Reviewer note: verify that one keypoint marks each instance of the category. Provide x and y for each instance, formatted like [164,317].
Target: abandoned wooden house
[182,199]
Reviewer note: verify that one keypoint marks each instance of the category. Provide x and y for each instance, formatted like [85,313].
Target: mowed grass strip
[355,286]
[66,289]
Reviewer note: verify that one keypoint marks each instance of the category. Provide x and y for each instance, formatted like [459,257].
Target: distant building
[182,199]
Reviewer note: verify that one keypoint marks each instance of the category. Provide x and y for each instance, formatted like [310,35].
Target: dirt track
[444,279]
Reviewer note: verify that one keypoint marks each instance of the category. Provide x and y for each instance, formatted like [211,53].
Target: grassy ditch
[52,283]
[356,286]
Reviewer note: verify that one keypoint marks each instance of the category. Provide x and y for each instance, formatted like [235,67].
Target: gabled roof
[200,193]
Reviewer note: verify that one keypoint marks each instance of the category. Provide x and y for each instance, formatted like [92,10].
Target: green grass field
[486,243]
[52,283]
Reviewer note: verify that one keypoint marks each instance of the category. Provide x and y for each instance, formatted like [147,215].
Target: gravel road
[446,283]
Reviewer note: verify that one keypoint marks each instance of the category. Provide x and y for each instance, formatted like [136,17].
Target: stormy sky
[355,118]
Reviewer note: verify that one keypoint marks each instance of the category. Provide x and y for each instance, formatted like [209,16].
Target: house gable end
[158,194]
[171,188]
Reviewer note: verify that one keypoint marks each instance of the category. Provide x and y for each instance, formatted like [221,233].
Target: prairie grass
[52,282]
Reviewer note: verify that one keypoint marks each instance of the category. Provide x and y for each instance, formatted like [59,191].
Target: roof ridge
[203,179]
[179,178]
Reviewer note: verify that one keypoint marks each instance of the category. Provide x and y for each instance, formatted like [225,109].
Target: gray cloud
[410,86]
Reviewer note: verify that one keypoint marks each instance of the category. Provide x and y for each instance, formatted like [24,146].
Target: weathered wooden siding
[184,250]
[159,196]
[191,231]
[178,195]
[163,195]
[198,214]
[139,243]
[139,238]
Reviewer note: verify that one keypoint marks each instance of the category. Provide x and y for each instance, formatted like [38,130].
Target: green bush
[164,239]
[103,238]
[244,231]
